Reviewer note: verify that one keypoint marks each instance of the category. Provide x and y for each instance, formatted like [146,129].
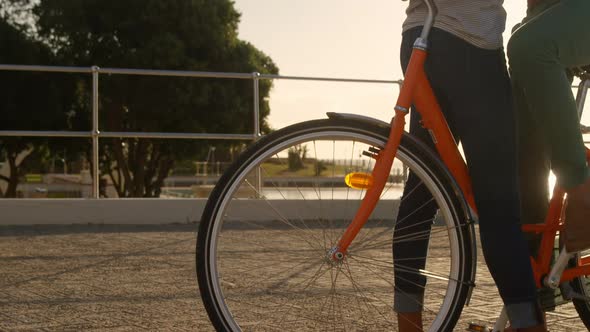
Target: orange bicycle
[298,233]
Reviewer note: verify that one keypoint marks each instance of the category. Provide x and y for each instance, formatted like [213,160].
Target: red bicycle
[297,235]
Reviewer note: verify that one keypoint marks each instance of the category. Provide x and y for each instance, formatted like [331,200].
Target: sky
[333,38]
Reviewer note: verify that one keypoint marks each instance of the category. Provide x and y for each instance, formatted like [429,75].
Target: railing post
[95,135]
[256,82]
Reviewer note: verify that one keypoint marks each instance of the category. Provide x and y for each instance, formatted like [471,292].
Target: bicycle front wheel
[273,217]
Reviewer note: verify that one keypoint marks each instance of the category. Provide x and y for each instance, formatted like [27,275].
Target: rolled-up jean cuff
[407,302]
[525,314]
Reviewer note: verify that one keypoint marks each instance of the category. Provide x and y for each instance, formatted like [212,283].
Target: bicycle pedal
[475,327]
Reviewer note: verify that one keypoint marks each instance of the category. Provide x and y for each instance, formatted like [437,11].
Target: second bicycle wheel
[271,220]
[581,285]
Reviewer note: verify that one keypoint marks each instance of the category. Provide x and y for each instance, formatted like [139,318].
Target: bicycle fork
[384,160]
[415,88]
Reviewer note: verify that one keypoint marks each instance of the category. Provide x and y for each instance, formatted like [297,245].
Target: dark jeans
[474,92]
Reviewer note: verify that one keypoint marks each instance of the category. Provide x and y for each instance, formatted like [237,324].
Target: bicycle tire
[581,285]
[251,298]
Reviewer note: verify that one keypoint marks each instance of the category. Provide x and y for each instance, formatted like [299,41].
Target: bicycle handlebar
[432,11]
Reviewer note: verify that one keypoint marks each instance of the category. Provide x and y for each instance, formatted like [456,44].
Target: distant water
[323,193]
[391,192]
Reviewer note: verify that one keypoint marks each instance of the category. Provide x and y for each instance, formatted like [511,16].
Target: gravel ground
[122,278]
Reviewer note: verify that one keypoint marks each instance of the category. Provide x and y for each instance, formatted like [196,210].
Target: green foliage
[296,157]
[18,14]
[28,101]
[198,35]
[319,167]
[185,167]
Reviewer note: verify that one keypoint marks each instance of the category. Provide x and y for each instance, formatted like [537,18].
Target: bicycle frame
[548,230]
[416,90]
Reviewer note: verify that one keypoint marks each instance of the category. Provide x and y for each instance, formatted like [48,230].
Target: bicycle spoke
[369,240]
[379,275]
[285,220]
[359,290]
[316,276]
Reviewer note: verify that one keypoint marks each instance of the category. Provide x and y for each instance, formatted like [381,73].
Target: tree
[17,13]
[28,101]
[296,157]
[198,35]
[319,167]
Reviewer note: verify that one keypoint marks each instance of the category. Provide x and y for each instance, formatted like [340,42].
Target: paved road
[117,278]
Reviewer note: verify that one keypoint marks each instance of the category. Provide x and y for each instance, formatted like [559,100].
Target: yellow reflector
[359,180]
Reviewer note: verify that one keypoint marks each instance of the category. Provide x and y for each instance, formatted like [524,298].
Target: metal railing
[95,134]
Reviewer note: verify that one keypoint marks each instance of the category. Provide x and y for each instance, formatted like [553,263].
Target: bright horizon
[334,38]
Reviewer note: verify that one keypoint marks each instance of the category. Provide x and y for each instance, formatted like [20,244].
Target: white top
[478,22]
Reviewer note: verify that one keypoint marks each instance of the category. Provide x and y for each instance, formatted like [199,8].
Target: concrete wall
[162,211]
[103,211]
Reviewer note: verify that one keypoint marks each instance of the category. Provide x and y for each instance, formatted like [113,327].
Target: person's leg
[410,255]
[479,91]
[539,52]
[409,287]
[454,68]
[534,167]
